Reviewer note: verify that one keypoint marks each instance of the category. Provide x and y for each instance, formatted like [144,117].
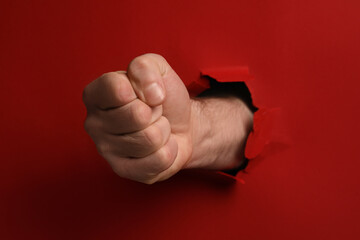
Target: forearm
[220,127]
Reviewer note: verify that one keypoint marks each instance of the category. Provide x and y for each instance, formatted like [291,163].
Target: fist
[139,119]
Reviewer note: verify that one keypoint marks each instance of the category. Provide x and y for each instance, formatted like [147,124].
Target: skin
[145,125]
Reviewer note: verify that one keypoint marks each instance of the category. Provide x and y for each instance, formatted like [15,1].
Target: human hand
[146,126]
[140,119]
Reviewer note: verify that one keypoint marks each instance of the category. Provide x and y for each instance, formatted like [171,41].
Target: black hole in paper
[224,89]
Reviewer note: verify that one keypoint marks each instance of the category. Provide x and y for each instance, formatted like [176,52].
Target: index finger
[111,90]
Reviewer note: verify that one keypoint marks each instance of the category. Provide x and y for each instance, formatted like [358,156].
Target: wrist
[219,129]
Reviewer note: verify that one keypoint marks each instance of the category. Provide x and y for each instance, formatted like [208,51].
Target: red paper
[304,59]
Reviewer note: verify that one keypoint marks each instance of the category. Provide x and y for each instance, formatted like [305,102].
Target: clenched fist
[146,126]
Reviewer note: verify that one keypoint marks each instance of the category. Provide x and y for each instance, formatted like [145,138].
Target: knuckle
[87,125]
[140,62]
[92,124]
[133,175]
[163,161]
[141,114]
[115,84]
[149,181]
[108,80]
[103,148]
[117,169]
[153,136]
[108,77]
[155,56]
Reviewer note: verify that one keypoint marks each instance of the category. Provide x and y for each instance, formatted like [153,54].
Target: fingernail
[154,94]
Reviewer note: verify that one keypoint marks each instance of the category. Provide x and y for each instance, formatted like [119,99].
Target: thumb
[155,83]
[146,76]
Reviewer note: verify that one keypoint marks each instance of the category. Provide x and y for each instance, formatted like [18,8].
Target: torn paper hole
[268,122]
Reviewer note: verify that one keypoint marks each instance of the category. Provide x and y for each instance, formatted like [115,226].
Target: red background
[304,56]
